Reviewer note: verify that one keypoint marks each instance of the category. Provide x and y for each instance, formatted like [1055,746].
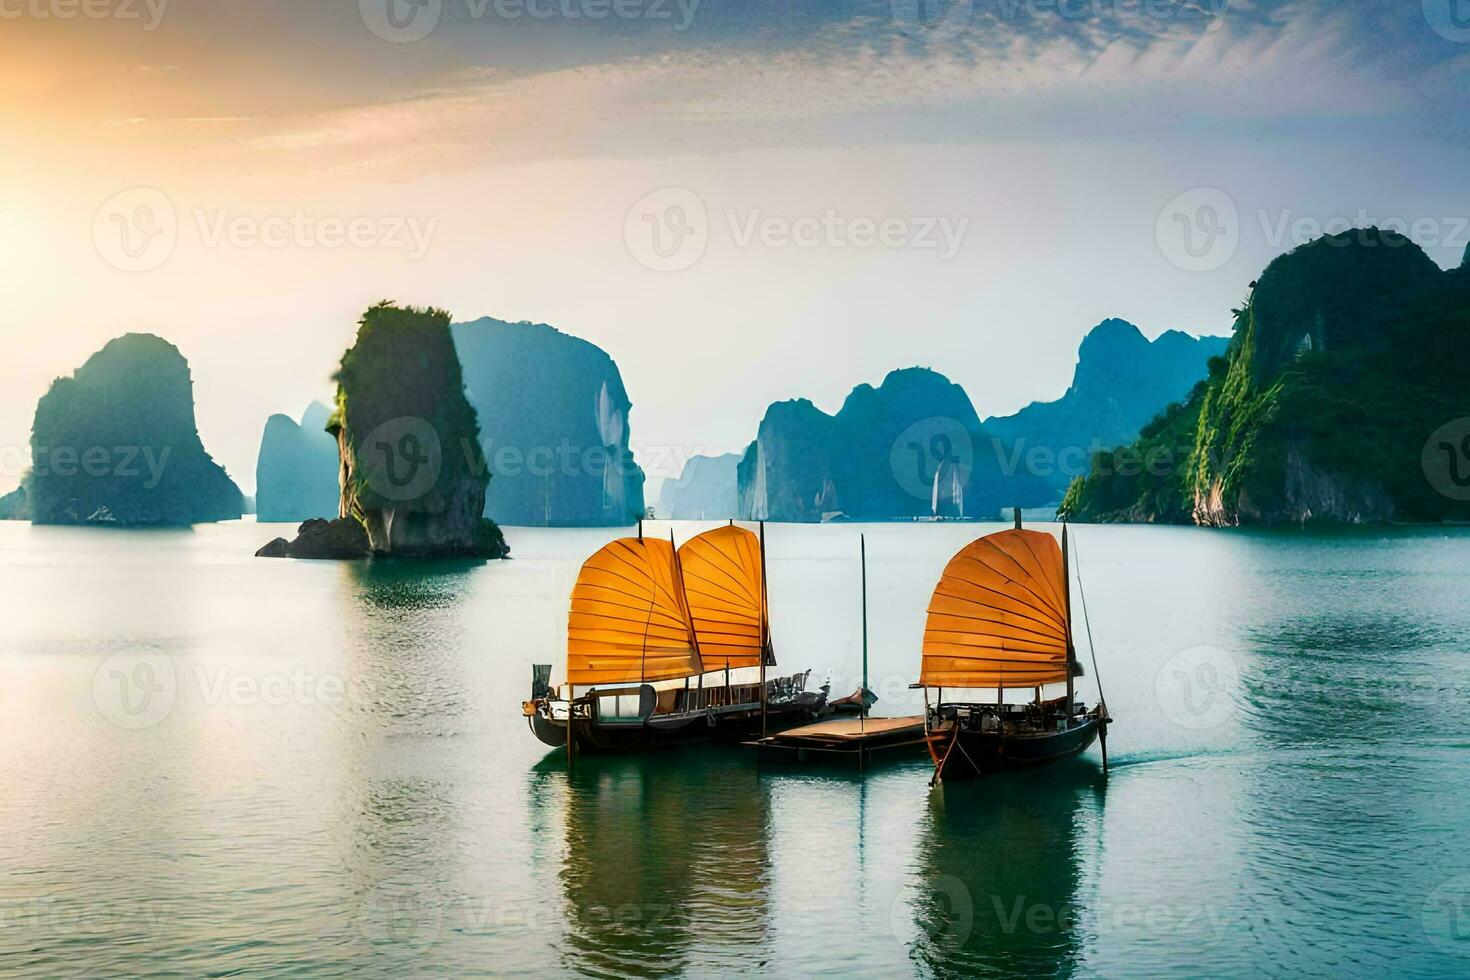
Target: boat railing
[778,689]
[980,716]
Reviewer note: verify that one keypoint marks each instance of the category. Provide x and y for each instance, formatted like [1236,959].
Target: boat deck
[851,737]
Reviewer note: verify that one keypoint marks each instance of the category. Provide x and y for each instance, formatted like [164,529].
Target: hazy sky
[741,202]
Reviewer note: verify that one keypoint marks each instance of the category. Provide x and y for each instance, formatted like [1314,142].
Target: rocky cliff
[554,425]
[116,443]
[412,472]
[911,448]
[296,470]
[707,489]
[14,506]
[1342,399]
[1122,380]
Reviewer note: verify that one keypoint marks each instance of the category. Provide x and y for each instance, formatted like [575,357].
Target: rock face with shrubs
[1340,400]
[412,471]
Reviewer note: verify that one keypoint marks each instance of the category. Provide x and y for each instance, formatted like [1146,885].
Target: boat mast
[1067,609]
[765,628]
[863,691]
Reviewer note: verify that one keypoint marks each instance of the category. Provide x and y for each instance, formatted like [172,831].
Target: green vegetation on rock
[1348,355]
[414,473]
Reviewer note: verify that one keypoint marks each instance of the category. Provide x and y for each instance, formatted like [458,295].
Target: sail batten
[628,621]
[723,587]
[998,615]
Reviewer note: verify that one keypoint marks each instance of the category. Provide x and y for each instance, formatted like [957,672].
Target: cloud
[1019,70]
[762,73]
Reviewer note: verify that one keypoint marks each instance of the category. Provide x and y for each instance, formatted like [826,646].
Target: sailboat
[661,643]
[1001,618]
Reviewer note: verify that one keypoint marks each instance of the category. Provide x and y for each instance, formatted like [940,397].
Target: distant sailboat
[653,636]
[1000,618]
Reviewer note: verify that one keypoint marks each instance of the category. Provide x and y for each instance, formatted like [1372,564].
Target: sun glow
[10,239]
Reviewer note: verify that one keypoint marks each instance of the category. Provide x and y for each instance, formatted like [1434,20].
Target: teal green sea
[212,764]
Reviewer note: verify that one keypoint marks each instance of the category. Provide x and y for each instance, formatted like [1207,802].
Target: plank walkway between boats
[855,737]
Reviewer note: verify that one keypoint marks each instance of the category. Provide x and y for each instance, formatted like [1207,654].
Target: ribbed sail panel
[722,579]
[629,622]
[998,616]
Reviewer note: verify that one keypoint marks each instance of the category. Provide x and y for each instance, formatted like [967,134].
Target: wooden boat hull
[961,753]
[603,738]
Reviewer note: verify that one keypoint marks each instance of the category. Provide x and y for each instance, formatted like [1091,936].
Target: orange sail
[998,617]
[722,579]
[629,621]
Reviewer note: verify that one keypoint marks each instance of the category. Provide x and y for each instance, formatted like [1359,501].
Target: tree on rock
[413,472]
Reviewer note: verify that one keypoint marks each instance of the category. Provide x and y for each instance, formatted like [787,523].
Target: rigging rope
[1092,649]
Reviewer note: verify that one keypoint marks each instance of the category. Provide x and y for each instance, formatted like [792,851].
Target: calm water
[212,764]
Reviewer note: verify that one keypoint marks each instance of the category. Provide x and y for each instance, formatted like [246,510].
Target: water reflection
[386,584]
[665,854]
[999,869]
[405,648]
[1347,692]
